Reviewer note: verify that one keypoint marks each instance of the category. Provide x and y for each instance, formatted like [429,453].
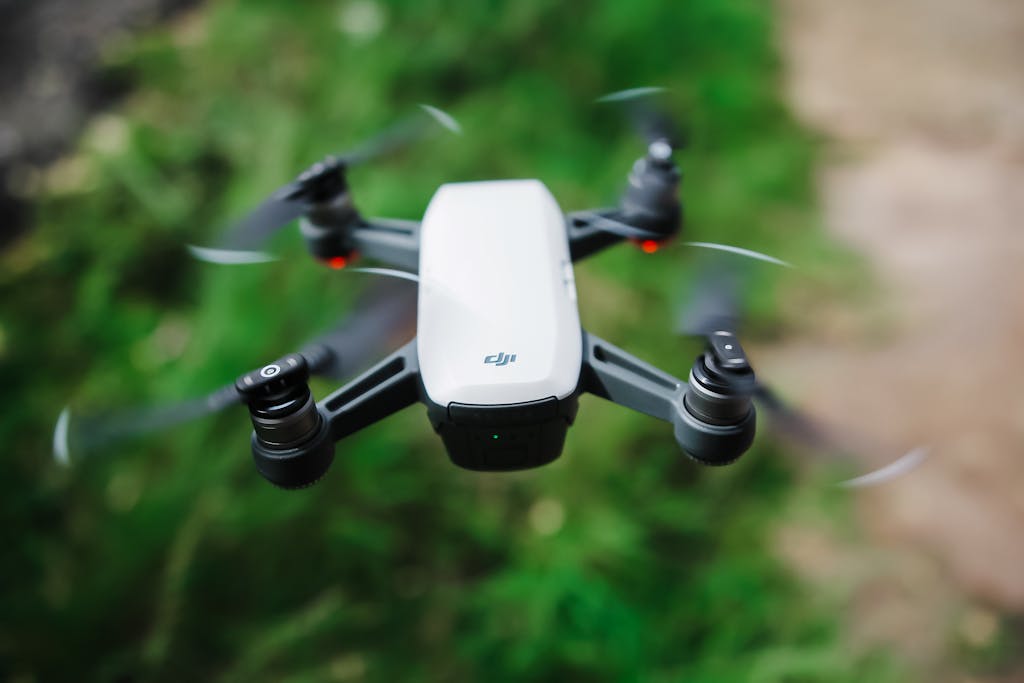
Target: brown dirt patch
[923,104]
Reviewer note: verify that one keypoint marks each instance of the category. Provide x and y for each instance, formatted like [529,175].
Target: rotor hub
[660,150]
[324,180]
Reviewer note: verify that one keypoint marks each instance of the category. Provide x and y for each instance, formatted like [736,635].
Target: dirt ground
[922,106]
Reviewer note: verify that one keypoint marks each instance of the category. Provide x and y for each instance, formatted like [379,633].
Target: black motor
[291,443]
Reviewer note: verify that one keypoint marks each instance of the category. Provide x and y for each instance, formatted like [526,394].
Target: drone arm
[585,237]
[337,232]
[293,438]
[613,374]
[392,241]
[382,390]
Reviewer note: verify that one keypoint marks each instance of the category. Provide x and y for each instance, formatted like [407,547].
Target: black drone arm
[588,233]
[389,240]
[709,438]
[293,437]
[649,211]
[336,232]
[381,391]
[615,375]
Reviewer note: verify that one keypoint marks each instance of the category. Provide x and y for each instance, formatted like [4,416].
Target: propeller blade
[617,227]
[229,256]
[388,272]
[714,313]
[714,302]
[400,135]
[656,126]
[630,94]
[792,424]
[442,117]
[650,121]
[740,251]
[274,213]
[897,468]
[240,243]
[321,182]
[388,141]
[90,433]
[383,317]
[797,427]
[61,450]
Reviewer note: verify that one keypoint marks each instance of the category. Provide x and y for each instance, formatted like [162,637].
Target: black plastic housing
[711,444]
[327,228]
[713,423]
[299,466]
[291,442]
[651,200]
[716,422]
[511,436]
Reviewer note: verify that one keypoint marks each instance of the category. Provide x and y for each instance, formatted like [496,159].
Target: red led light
[649,246]
[337,262]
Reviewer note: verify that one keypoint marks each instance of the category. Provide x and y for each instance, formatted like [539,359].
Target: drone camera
[290,442]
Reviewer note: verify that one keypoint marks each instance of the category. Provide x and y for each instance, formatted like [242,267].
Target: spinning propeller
[321,187]
[649,209]
[649,213]
[383,316]
[723,377]
[651,122]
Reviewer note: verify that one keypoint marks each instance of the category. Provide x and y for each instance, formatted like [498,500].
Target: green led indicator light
[494,436]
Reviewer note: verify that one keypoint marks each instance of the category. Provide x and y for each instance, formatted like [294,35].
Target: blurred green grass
[170,559]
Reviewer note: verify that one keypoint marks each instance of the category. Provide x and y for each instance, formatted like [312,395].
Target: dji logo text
[500,359]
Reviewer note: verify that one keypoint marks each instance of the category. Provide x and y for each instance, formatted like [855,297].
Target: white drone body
[497,318]
[499,348]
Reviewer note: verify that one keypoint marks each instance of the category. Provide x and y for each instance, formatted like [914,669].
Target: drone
[499,357]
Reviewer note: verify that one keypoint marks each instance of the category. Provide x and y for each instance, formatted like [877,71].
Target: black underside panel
[506,437]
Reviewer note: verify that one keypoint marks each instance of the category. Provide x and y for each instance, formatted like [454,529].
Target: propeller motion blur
[497,355]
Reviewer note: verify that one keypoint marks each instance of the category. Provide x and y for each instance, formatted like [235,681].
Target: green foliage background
[170,559]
